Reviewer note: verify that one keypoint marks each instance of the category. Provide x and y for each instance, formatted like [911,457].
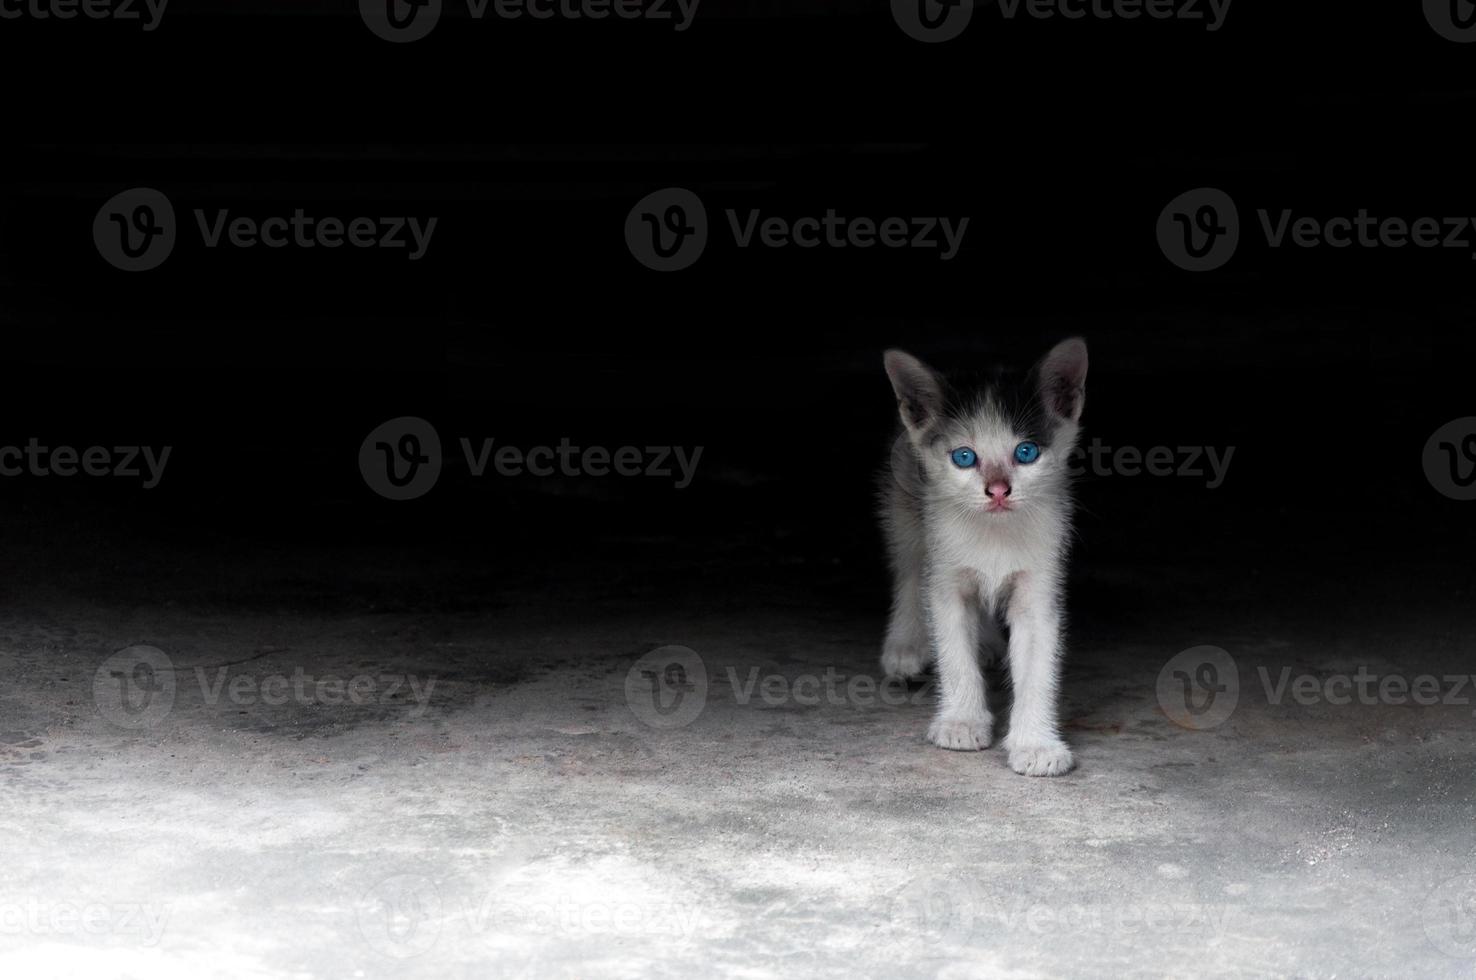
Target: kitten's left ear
[918,388]
[1063,375]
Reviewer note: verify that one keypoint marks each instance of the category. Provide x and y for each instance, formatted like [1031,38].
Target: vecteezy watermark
[299,687]
[649,461]
[1208,463]
[566,915]
[1181,461]
[943,908]
[669,687]
[401,916]
[932,21]
[35,459]
[1449,915]
[136,230]
[410,20]
[1200,688]
[1365,687]
[136,688]
[142,922]
[406,915]
[1200,229]
[667,230]
[1454,20]
[1211,13]
[1365,231]
[149,13]
[401,459]
[830,687]
[943,20]
[1450,459]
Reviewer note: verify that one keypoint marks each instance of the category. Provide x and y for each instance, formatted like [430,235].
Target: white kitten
[977,513]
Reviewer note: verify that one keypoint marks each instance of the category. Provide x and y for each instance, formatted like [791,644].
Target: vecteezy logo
[937,908]
[401,459]
[400,916]
[667,229]
[1450,459]
[400,20]
[1199,229]
[134,230]
[134,688]
[667,688]
[932,20]
[1199,688]
[1454,20]
[1450,917]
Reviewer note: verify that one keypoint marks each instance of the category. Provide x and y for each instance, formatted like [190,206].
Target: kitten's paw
[966,734]
[904,660]
[1040,758]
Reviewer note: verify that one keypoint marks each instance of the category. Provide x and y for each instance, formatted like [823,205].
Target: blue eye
[1027,452]
[963,457]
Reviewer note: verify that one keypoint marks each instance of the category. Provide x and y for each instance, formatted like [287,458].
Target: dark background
[528,320]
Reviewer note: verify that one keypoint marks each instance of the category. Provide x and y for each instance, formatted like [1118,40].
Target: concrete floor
[513,814]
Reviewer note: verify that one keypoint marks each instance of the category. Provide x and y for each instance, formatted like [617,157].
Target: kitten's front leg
[907,649]
[1034,741]
[963,720]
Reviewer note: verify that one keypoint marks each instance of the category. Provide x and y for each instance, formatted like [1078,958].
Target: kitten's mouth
[999,507]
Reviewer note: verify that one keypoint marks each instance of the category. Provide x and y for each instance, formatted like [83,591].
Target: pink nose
[997,490]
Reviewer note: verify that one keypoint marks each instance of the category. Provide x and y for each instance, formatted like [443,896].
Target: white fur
[958,569]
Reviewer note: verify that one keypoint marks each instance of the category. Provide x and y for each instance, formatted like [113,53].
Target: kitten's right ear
[919,390]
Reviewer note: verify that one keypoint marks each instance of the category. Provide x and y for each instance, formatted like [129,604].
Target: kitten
[977,515]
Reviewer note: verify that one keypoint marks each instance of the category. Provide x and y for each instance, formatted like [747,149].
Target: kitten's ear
[1063,376]
[918,387]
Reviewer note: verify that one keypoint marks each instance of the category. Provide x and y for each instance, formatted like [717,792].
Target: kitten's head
[999,445]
